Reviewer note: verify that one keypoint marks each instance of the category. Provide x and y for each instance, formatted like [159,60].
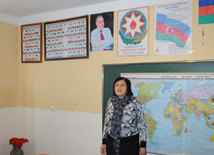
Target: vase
[16,151]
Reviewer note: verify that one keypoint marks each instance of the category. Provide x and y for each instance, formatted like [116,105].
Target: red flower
[18,142]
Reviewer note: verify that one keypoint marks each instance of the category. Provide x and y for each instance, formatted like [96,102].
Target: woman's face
[120,88]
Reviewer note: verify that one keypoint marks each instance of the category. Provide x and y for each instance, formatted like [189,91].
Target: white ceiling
[21,12]
[19,8]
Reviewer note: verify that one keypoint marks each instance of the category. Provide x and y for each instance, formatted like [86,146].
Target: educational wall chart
[133,32]
[206,11]
[179,110]
[66,39]
[173,28]
[31,43]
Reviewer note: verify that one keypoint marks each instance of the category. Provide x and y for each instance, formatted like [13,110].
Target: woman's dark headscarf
[128,85]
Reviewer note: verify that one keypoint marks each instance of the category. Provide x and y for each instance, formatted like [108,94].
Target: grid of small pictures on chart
[66,39]
[31,43]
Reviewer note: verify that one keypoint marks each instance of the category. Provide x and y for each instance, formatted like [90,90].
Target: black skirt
[128,145]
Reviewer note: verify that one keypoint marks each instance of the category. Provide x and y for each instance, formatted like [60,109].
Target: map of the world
[179,111]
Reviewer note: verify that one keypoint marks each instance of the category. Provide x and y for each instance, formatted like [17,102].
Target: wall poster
[173,33]
[133,32]
[206,12]
[66,39]
[102,32]
[31,43]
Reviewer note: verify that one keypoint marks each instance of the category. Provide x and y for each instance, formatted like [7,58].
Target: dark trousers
[128,145]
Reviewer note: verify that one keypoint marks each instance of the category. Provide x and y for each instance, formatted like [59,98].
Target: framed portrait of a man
[101,28]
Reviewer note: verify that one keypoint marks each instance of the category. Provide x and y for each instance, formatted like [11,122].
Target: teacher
[125,130]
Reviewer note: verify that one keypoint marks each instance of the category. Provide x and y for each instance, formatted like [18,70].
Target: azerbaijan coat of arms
[133,27]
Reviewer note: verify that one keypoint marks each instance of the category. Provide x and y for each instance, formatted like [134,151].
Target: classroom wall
[76,85]
[57,105]
[8,76]
[8,64]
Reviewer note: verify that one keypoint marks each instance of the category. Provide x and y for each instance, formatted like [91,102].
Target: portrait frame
[108,23]
[66,39]
[31,43]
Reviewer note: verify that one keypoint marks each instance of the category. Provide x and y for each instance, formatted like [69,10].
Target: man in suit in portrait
[101,37]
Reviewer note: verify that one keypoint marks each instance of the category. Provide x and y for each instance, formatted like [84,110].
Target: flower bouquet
[17,144]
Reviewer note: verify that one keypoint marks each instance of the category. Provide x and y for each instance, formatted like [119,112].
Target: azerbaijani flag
[168,29]
[206,11]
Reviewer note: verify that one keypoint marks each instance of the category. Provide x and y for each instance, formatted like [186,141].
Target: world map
[179,110]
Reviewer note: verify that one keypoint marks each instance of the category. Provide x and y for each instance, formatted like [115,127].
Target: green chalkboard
[111,72]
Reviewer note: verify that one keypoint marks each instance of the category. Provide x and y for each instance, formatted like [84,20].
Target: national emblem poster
[179,110]
[133,32]
[173,33]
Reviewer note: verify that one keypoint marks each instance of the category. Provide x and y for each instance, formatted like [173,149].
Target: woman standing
[124,130]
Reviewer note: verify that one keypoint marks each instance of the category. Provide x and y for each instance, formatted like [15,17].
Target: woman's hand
[103,148]
[142,151]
